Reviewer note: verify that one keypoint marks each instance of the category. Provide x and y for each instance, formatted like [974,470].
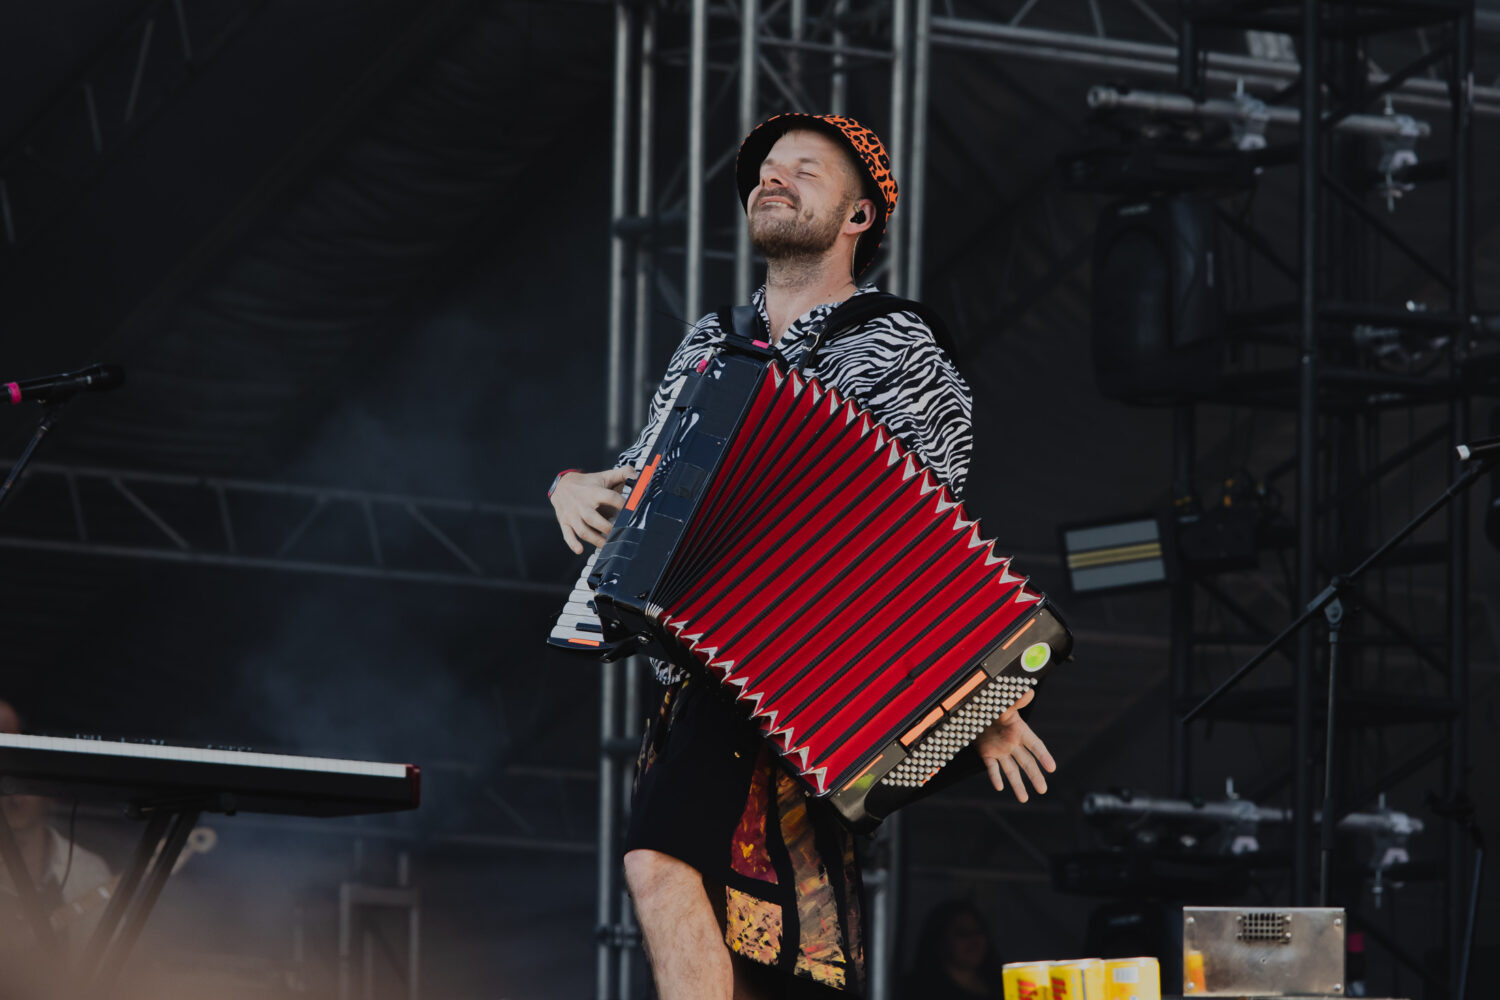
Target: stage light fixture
[1115,555]
[1156,300]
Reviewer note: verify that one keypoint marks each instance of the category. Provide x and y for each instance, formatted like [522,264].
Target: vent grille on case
[1266,926]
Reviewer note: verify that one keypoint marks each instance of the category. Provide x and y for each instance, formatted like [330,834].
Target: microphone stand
[50,408]
[1329,604]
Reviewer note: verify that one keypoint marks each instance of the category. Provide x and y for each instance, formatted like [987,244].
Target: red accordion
[785,543]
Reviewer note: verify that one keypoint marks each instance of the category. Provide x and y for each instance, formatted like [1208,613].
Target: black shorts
[692,779]
[710,794]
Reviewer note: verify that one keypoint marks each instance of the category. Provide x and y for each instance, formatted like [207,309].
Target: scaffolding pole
[1307,449]
[1455,777]
[609,889]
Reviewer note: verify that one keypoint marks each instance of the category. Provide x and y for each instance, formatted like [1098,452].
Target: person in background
[72,881]
[955,957]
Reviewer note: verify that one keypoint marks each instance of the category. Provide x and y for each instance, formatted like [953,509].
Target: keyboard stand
[169,787]
[168,825]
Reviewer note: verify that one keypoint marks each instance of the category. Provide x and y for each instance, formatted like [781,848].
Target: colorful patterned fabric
[805,887]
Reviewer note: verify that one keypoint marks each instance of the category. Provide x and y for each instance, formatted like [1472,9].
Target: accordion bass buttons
[1003,678]
[957,731]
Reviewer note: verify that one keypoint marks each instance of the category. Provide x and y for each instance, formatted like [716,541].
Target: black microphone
[1483,448]
[94,378]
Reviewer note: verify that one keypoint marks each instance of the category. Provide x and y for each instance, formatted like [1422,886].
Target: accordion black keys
[783,542]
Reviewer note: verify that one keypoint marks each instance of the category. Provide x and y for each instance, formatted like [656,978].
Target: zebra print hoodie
[891,365]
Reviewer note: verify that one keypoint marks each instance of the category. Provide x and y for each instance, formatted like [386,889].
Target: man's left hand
[1009,749]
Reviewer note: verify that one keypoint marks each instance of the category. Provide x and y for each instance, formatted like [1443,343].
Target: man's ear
[864,211]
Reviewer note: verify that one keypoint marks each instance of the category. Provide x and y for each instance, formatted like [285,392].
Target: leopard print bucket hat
[869,152]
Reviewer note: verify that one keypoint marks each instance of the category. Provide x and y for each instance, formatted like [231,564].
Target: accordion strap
[744,322]
[855,312]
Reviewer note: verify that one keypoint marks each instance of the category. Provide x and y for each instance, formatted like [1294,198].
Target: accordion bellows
[786,543]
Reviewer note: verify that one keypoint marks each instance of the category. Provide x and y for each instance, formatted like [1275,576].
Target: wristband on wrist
[557,479]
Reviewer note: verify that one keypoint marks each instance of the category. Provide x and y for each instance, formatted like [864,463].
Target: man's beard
[780,234]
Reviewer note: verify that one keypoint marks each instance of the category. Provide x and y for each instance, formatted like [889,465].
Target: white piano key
[573,639]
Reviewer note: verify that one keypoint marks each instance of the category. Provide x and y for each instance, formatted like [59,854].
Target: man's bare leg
[689,959]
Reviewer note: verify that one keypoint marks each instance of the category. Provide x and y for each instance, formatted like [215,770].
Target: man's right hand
[586,504]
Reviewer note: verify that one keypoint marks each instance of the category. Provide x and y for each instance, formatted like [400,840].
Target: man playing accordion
[744,885]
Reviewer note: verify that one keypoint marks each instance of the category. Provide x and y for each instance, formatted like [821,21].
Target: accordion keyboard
[578,627]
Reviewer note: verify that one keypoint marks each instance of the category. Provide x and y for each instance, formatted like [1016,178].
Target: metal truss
[1326,371]
[1141,38]
[1137,39]
[94,116]
[282,527]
